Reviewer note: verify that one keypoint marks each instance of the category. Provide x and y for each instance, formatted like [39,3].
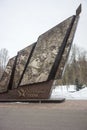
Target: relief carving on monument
[46,49]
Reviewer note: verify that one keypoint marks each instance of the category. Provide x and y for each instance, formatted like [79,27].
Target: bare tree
[3,59]
[76,67]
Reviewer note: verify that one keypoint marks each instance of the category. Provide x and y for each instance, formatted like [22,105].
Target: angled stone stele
[23,57]
[7,75]
[31,73]
[67,50]
[45,52]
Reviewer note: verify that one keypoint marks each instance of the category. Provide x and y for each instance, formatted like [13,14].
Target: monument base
[58,100]
[34,91]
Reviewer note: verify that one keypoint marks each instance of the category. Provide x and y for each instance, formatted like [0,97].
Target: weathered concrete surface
[6,75]
[70,115]
[22,58]
[65,55]
[45,52]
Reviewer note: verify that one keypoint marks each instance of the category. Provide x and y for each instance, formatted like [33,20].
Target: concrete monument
[31,73]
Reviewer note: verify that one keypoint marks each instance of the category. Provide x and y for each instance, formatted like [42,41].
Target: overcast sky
[22,21]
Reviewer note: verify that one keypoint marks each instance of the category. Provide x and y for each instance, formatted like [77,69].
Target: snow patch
[69,92]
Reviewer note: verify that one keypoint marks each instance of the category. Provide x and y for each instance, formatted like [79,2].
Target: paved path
[70,115]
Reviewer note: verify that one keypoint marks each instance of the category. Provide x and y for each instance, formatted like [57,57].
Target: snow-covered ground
[69,93]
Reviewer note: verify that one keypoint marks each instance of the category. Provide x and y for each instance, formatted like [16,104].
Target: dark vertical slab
[67,50]
[61,51]
[12,74]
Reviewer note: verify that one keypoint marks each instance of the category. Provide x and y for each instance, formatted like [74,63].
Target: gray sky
[22,21]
